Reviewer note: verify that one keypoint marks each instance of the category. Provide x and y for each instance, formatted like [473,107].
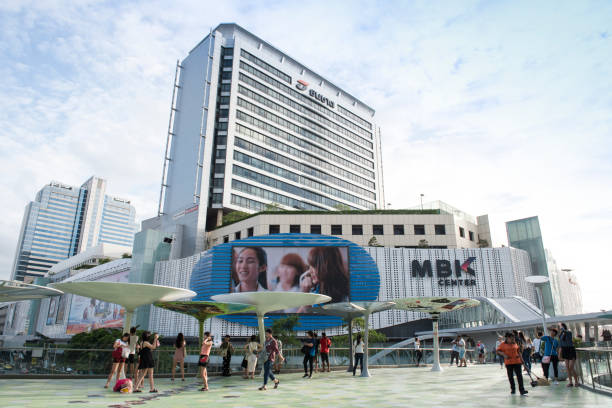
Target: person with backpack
[538,348]
[510,351]
[271,348]
[308,349]
[568,353]
[550,356]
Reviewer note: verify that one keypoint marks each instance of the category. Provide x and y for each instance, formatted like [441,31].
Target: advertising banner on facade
[52,310]
[88,314]
[292,269]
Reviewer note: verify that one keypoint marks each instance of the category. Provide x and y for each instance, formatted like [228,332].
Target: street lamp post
[538,281]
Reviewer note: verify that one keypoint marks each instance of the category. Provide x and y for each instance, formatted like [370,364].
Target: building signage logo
[444,271]
[301,85]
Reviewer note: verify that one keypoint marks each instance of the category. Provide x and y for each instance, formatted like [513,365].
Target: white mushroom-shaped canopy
[128,295]
[265,302]
[12,291]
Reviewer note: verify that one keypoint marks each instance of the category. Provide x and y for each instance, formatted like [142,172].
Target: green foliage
[373,242]
[88,357]
[342,207]
[423,243]
[103,261]
[234,216]
[273,207]
[358,326]
[96,339]
[126,255]
[284,329]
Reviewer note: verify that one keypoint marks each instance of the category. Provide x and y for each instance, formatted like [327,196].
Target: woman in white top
[250,264]
[358,346]
[120,354]
[132,361]
[417,351]
[252,348]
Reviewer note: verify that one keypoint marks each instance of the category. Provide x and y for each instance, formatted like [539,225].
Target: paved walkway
[474,386]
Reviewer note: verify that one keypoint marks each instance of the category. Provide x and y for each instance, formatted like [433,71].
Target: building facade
[433,228]
[249,127]
[64,220]
[496,274]
[566,292]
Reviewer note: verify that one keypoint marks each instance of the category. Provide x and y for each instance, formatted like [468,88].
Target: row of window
[272,196]
[303,132]
[289,161]
[301,97]
[304,145]
[307,122]
[279,171]
[308,112]
[356,118]
[290,188]
[462,233]
[265,66]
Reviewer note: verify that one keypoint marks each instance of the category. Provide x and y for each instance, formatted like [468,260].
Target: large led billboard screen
[322,270]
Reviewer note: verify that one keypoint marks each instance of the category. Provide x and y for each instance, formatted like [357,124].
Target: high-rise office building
[525,234]
[64,220]
[250,127]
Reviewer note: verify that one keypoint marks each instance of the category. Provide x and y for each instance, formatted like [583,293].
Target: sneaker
[305,375]
[513,392]
[524,392]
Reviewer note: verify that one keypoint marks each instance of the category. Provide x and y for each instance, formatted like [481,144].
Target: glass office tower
[525,234]
[64,220]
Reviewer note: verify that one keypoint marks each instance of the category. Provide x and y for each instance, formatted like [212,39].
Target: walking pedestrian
[509,350]
[309,353]
[568,353]
[179,355]
[316,352]
[418,353]
[226,350]
[271,348]
[120,353]
[148,343]
[325,343]
[207,344]
[279,358]
[500,358]
[525,350]
[550,356]
[132,362]
[358,346]
[252,348]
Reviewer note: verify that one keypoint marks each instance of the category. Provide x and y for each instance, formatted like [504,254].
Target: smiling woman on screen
[249,266]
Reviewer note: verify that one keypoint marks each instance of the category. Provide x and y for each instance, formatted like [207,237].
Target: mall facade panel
[249,127]
[496,273]
[65,220]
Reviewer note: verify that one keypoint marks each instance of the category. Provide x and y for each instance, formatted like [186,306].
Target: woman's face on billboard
[247,266]
[287,274]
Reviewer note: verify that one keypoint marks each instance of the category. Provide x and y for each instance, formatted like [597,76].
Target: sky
[495,107]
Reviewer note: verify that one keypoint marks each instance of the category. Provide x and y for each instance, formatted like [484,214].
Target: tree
[234,216]
[284,329]
[359,324]
[103,261]
[482,243]
[423,243]
[373,242]
[273,207]
[126,256]
[342,207]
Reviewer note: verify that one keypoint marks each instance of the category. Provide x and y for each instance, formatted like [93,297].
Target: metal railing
[595,368]
[97,362]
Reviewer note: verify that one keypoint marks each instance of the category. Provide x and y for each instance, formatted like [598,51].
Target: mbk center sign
[464,274]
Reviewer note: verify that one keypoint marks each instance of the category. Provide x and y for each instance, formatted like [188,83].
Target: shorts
[131,359]
[118,360]
[461,353]
[568,353]
[201,364]
[324,357]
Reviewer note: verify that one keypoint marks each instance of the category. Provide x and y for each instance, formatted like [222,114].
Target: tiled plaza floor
[475,386]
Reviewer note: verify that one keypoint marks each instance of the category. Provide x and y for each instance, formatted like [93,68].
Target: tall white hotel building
[250,126]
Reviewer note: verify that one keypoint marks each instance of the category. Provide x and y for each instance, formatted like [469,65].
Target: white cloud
[498,108]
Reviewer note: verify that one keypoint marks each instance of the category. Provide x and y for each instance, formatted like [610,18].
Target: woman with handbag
[203,361]
[252,348]
[118,357]
[226,350]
